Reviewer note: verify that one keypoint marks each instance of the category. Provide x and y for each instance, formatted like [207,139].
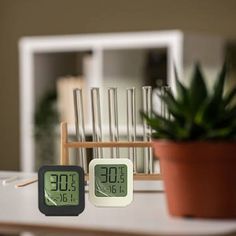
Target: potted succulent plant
[197,148]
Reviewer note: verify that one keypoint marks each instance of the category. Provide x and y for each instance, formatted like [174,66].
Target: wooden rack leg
[64,149]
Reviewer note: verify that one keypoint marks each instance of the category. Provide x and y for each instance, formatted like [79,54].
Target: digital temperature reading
[61,190]
[111,182]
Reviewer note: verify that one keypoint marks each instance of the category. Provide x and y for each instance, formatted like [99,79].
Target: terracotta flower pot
[199,177]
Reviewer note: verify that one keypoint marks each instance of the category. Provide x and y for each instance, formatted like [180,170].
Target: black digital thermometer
[61,190]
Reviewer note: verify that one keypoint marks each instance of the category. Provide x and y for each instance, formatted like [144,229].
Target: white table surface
[147,215]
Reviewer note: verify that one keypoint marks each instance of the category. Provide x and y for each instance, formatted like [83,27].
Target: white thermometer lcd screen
[111,180]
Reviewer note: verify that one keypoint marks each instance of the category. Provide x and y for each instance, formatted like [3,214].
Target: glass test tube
[113,119]
[131,124]
[96,120]
[147,108]
[79,127]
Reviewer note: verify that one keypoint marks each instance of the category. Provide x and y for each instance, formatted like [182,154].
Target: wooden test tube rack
[65,145]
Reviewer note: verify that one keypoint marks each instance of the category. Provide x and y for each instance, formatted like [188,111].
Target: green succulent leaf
[195,113]
[214,106]
[219,84]
[175,108]
[182,92]
[218,133]
[229,97]
[197,91]
[227,117]
[159,124]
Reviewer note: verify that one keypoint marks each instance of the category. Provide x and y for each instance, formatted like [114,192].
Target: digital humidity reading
[61,188]
[111,180]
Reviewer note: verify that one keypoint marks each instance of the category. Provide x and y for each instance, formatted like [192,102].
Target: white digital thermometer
[111,182]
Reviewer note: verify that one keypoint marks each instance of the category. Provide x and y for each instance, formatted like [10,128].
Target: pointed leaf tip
[198,89]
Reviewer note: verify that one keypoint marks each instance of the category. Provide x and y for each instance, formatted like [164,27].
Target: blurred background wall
[56,17]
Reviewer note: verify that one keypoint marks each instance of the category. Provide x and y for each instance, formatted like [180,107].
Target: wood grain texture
[64,150]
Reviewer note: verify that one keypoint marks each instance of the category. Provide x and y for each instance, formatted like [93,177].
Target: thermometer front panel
[61,190]
[111,182]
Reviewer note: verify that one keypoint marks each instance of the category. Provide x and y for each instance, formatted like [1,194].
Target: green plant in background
[46,118]
[196,113]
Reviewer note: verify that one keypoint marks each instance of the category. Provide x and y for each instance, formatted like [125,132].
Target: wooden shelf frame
[65,145]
